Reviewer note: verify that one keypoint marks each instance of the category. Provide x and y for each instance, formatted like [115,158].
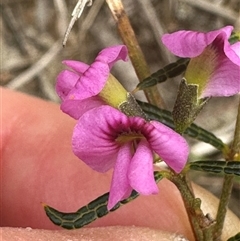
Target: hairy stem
[236,141]
[222,208]
[228,181]
[199,222]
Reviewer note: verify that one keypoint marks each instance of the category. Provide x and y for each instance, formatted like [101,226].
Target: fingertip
[116,233]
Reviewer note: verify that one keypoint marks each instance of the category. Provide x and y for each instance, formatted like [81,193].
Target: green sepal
[187,106]
[169,71]
[235,237]
[130,107]
[89,213]
[194,131]
[223,167]
[234,38]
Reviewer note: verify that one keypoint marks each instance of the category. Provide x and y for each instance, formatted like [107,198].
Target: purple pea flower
[105,138]
[214,64]
[81,88]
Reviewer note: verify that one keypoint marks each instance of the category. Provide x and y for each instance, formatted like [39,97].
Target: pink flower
[214,64]
[80,87]
[105,138]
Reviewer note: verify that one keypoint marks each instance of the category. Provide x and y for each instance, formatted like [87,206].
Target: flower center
[201,68]
[127,137]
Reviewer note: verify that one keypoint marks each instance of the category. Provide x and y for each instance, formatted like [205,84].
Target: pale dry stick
[134,51]
[36,68]
[42,14]
[16,65]
[62,15]
[89,19]
[157,28]
[77,12]
[210,7]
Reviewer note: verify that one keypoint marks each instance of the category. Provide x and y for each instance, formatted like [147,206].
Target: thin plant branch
[36,68]
[15,28]
[89,19]
[228,180]
[61,11]
[77,12]
[212,8]
[157,29]
[135,53]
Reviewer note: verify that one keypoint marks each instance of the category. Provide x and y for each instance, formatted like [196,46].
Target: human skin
[37,165]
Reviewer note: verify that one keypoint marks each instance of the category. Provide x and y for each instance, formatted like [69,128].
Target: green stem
[199,222]
[222,208]
[137,58]
[208,233]
[228,181]
[236,141]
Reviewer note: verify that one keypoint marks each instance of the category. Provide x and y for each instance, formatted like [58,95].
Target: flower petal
[140,172]
[189,44]
[76,108]
[77,66]
[94,137]
[169,145]
[94,78]
[91,82]
[120,187]
[224,82]
[236,48]
[66,80]
[112,54]
[233,52]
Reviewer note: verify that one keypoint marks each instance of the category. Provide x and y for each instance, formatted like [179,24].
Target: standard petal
[92,81]
[66,80]
[94,137]
[140,173]
[232,52]
[113,54]
[169,145]
[76,108]
[120,187]
[236,48]
[95,77]
[224,82]
[77,66]
[189,44]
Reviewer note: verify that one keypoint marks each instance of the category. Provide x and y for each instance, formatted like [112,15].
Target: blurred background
[31,53]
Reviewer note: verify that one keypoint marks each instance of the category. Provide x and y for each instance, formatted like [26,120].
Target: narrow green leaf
[169,71]
[194,131]
[229,167]
[87,214]
[235,238]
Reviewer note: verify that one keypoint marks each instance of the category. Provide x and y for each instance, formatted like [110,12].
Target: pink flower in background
[214,64]
[79,88]
[106,138]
